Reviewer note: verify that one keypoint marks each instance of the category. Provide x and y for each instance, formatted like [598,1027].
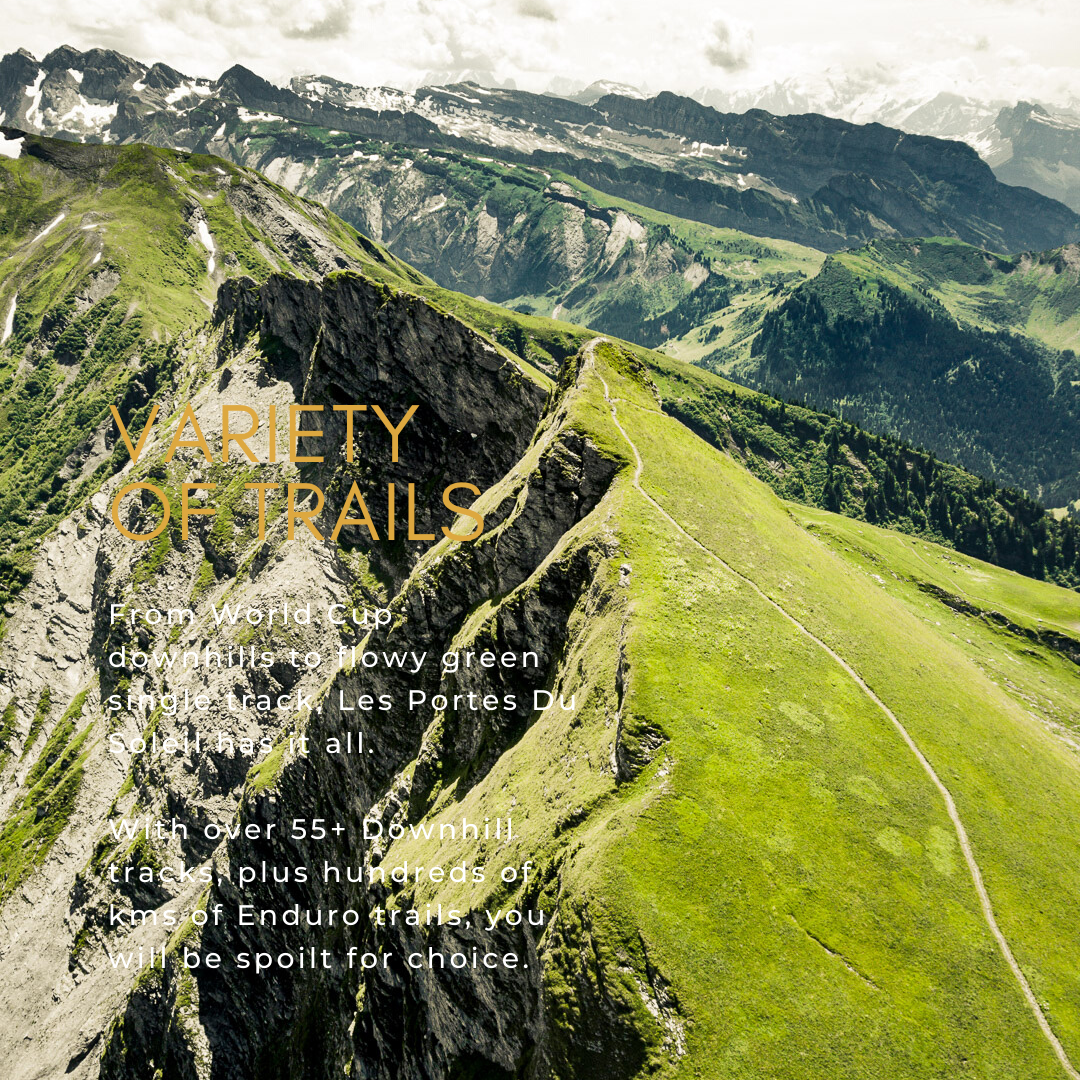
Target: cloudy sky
[994,48]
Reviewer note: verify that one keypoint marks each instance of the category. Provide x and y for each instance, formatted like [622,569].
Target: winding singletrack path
[950,804]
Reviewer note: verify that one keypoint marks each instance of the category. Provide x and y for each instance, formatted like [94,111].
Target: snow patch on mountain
[9,322]
[48,228]
[467,111]
[33,114]
[92,116]
[375,98]
[1055,123]
[249,117]
[602,87]
[10,148]
[187,88]
[463,97]
[202,230]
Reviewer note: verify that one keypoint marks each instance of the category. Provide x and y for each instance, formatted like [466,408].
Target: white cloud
[729,45]
[537,9]
[682,45]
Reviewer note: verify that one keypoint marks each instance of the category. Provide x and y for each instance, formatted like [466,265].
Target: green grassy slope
[757,274]
[816,458]
[803,711]
[1016,630]
[827,462]
[813,457]
[1037,294]
[780,892]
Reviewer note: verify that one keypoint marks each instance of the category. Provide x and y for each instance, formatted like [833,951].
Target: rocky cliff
[465,391]
[1039,150]
[858,176]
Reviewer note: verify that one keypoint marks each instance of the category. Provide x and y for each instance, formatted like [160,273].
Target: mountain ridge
[827,205]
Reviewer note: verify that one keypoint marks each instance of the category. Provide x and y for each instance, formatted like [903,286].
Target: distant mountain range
[920,110]
[1027,145]
[809,178]
[1039,150]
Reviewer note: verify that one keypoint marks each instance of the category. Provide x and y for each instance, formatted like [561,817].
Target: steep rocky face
[1040,150]
[535,243]
[100,316]
[68,92]
[65,783]
[537,573]
[916,184]
[520,236]
[347,341]
[18,70]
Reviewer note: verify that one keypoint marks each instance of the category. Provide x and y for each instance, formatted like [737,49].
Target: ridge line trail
[950,805]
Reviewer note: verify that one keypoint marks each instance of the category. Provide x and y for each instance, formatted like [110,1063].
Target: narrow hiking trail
[950,804]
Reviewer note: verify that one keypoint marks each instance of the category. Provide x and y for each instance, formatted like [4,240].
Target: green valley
[935,356]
